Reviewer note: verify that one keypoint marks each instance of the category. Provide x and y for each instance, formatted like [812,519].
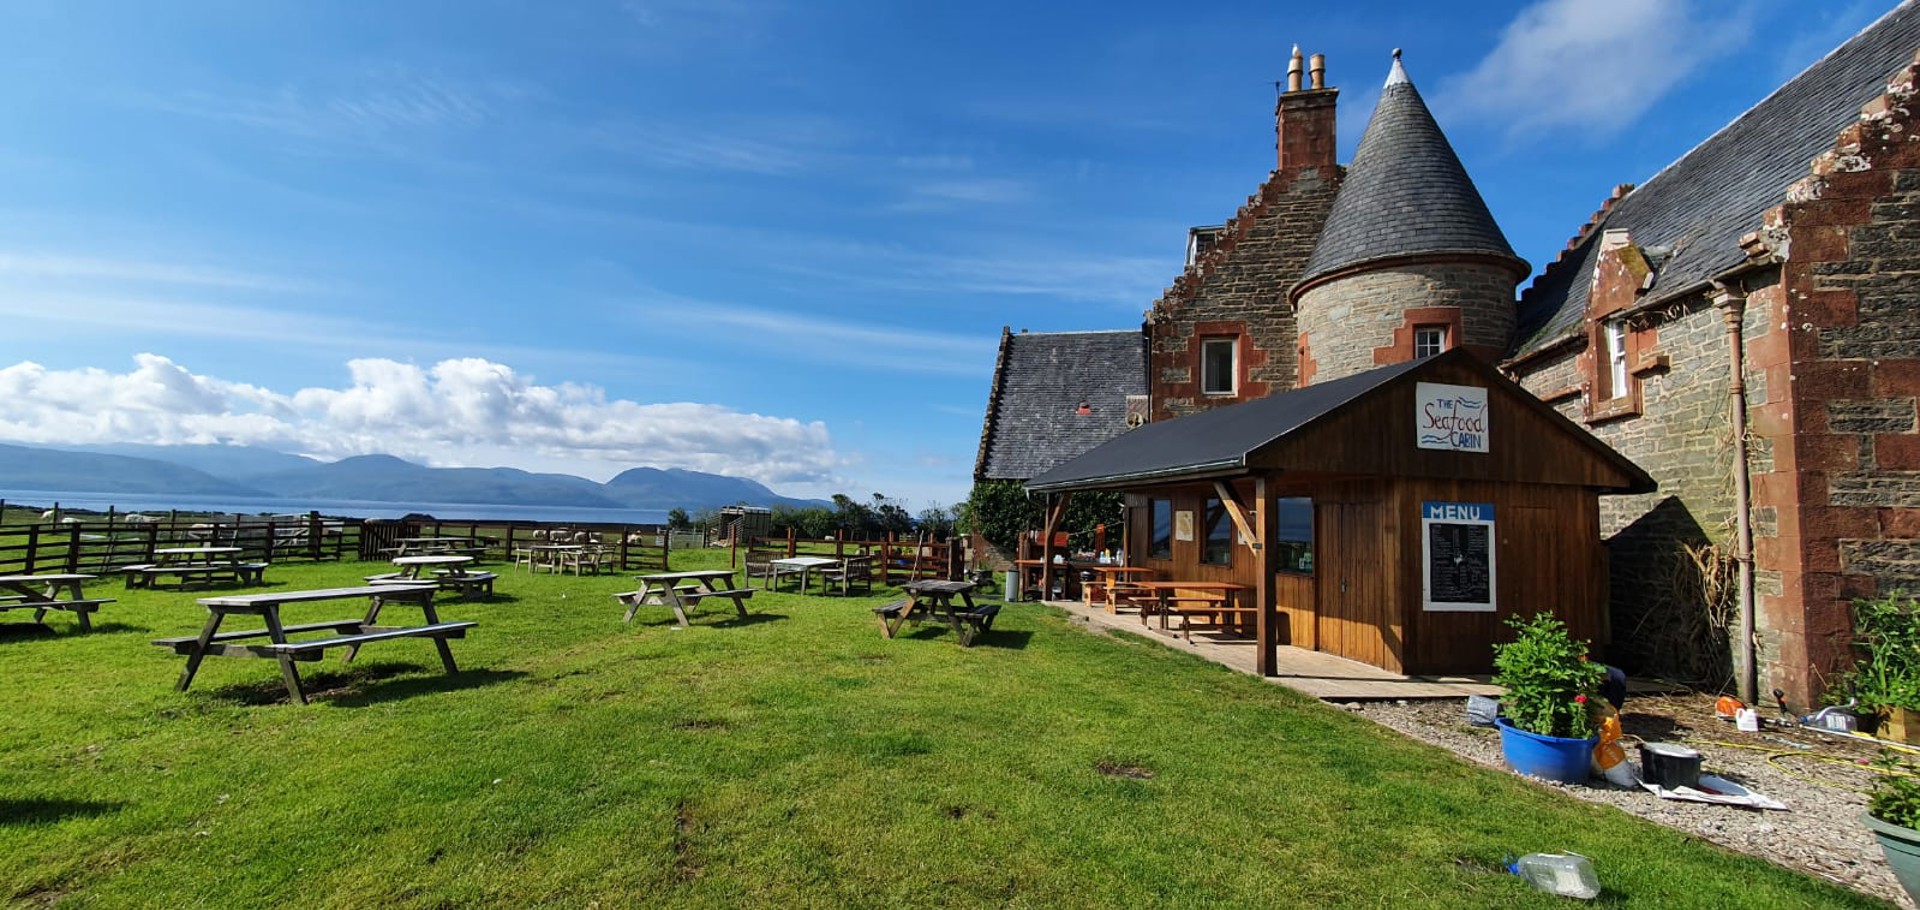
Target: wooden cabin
[1396,517]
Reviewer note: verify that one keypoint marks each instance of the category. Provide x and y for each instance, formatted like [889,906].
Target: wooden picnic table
[446,546]
[680,590]
[41,593]
[348,633]
[447,571]
[1188,599]
[1112,579]
[205,563]
[934,598]
[802,565]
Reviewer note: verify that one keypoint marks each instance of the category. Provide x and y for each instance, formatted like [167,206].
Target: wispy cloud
[57,267]
[380,108]
[463,411]
[930,195]
[1541,76]
[684,147]
[825,340]
[1131,282]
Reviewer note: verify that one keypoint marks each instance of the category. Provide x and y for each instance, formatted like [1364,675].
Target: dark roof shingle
[1695,211]
[1032,422]
[1405,194]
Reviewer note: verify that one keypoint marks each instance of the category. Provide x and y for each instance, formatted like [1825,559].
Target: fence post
[73,548]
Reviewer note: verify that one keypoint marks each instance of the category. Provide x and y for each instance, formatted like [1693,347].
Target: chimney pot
[1318,70]
[1294,67]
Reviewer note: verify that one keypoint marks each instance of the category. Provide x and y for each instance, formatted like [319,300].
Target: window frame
[1230,344]
[1618,372]
[1159,547]
[1218,531]
[1440,342]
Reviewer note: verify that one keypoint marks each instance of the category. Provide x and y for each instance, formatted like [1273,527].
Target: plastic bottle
[1565,874]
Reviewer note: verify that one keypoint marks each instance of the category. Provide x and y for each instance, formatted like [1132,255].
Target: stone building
[1745,326]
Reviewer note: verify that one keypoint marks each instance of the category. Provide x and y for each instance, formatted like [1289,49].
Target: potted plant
[1885,680]
[1547,726]
[1893,814]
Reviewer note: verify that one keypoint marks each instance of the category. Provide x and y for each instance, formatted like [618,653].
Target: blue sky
[759,237]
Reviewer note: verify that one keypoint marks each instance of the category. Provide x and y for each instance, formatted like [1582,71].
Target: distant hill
[220,470]
[676,488]
[384,478]
[232,462]
[27,468]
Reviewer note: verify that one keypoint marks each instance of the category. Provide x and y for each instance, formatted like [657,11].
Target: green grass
[795,760]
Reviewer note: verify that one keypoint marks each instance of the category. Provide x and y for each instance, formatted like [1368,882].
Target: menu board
[1457,569]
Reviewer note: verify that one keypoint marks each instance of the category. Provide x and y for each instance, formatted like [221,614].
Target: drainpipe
[1732,306]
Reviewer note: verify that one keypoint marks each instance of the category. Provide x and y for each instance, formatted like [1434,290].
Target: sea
[161,503]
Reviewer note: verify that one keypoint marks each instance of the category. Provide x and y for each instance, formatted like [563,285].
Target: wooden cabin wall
[1185,563]
[1548,558]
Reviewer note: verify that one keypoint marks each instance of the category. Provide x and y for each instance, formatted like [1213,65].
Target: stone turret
[1409,257]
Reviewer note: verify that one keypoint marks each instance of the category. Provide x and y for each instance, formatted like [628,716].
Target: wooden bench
[317,648]
[976,622]
[245,573]
[468,583]
[1211,606]
[82,610]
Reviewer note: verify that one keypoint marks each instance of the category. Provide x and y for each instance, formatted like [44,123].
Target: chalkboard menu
[1458,548]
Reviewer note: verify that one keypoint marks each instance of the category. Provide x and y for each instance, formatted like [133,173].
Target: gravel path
[1820,833]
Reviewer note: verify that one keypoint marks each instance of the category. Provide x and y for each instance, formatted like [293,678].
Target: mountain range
[246,471]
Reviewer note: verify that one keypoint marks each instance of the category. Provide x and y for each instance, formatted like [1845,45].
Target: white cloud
[459,412]
[1593,66]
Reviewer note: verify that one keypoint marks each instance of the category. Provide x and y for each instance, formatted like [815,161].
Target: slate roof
[1219,442]
[1700,205]
[1405,193]
[1214,440]
[1038,385]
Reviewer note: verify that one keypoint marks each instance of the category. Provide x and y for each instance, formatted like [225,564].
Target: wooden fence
[101,544]
[894,560]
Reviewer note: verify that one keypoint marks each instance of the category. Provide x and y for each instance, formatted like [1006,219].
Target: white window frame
[1436,333]
[1232,348]
[1615,331]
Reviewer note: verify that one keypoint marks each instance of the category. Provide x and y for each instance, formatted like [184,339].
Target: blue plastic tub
[1550,757]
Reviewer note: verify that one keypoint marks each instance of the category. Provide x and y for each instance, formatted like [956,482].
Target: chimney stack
[1304,118]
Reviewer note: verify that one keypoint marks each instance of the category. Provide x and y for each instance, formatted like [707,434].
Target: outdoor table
[41,593]
[1033,571]
[428,546]
[1213,597]
[680,590]
[410,566]
[801,564]
[934,598]
[448,571]
[549,555]
[349,633]
[195,556]
[1114,577]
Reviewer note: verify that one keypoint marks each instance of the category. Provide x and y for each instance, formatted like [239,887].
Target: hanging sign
[1457,565]
[1450,417]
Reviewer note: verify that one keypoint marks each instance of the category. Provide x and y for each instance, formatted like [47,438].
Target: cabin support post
[1056,512]
[1266,657]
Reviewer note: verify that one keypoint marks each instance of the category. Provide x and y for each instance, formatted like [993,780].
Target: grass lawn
[793,760]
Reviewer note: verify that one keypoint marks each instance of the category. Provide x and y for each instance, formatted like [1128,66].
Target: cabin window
[1429,340]
[1616,332]
[1217,366]
[1219,547]
[1161,543]
[1293,546]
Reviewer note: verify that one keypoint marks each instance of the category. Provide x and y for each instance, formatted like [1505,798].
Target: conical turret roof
[1405,194]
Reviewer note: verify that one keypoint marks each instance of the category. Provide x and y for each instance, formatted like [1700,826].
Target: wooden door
[1294,599]
[1355,590]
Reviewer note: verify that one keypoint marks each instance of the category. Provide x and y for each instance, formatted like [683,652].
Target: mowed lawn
[794,760]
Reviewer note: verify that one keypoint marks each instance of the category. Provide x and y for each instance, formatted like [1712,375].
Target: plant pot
[1551,757]
[1897,724]
[1902,847]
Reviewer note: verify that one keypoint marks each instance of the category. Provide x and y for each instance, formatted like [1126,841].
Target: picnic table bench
[449,571]
[41,593]
[350,634]
[147,575]
[680,590]
[934,599]
[1189,600]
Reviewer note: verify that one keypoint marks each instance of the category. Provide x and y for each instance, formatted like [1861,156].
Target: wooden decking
[1322,676]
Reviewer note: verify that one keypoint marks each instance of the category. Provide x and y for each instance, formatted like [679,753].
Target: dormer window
[1218,371]
[1615,331]
[1429,340]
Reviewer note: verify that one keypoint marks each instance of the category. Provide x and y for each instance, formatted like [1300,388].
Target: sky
[769,238]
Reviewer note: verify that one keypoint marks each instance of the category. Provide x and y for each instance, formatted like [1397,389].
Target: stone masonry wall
[1240,288]
[1343,321]
[1845,492]
[1682,436]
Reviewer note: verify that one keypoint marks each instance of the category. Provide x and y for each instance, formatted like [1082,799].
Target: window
[1219,548]
[1616,330]
[1216,366]
[1429,340]
[1293,547]
[1161,543]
